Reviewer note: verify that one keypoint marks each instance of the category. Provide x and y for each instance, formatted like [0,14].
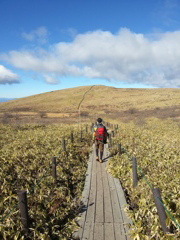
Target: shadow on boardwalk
[102,216]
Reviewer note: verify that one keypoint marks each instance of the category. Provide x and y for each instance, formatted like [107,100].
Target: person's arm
[94,134]
[106,131]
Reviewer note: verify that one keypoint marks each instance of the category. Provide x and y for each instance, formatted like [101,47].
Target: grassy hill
[93,101]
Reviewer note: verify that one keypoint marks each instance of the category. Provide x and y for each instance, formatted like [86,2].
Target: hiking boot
[100,161]
[97,158]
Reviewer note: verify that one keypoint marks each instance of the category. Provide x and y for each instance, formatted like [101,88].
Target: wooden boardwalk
[102,216]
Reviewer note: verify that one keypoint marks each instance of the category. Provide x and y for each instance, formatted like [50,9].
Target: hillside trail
[102,216]
[83,97]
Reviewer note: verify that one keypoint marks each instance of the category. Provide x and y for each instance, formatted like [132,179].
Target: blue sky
[48,45]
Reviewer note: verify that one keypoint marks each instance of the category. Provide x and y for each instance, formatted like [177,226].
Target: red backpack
[100,133]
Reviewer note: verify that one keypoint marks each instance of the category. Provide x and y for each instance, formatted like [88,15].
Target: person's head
[99,120]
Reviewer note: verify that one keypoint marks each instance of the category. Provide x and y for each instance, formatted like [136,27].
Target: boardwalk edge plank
[84,199]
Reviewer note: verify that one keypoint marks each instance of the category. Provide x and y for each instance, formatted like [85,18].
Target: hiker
[100,138]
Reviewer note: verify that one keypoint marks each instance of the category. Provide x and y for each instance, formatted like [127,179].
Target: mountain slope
[100,100]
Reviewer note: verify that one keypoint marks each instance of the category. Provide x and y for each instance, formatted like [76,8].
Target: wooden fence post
[160,208]
[63,144]
[81,135]
[134,171]
[22,196]
[92,127]
[110,140]
[72,137]
[133,144]
[54,169]
[119,149]
[116,128]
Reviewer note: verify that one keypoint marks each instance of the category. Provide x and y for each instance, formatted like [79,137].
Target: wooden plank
[90,216]
[109,231]
[108,215]
[114,200]
[99,231]
[120,190]
[127,234]
[106,153]
[127,221]
[86,191]
[119,231]
[88,233]
[99,218]
[87,183]
[85,198]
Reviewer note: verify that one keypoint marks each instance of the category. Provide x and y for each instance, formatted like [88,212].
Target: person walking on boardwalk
[100,138]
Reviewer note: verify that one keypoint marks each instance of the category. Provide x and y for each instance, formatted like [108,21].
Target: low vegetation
[155,144]
[26,164]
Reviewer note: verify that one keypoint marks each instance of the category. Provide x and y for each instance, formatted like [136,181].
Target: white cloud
[125,56]
[50,78]
[6,76]
[40,35]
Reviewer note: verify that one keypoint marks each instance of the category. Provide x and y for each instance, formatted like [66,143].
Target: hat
[99,120]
